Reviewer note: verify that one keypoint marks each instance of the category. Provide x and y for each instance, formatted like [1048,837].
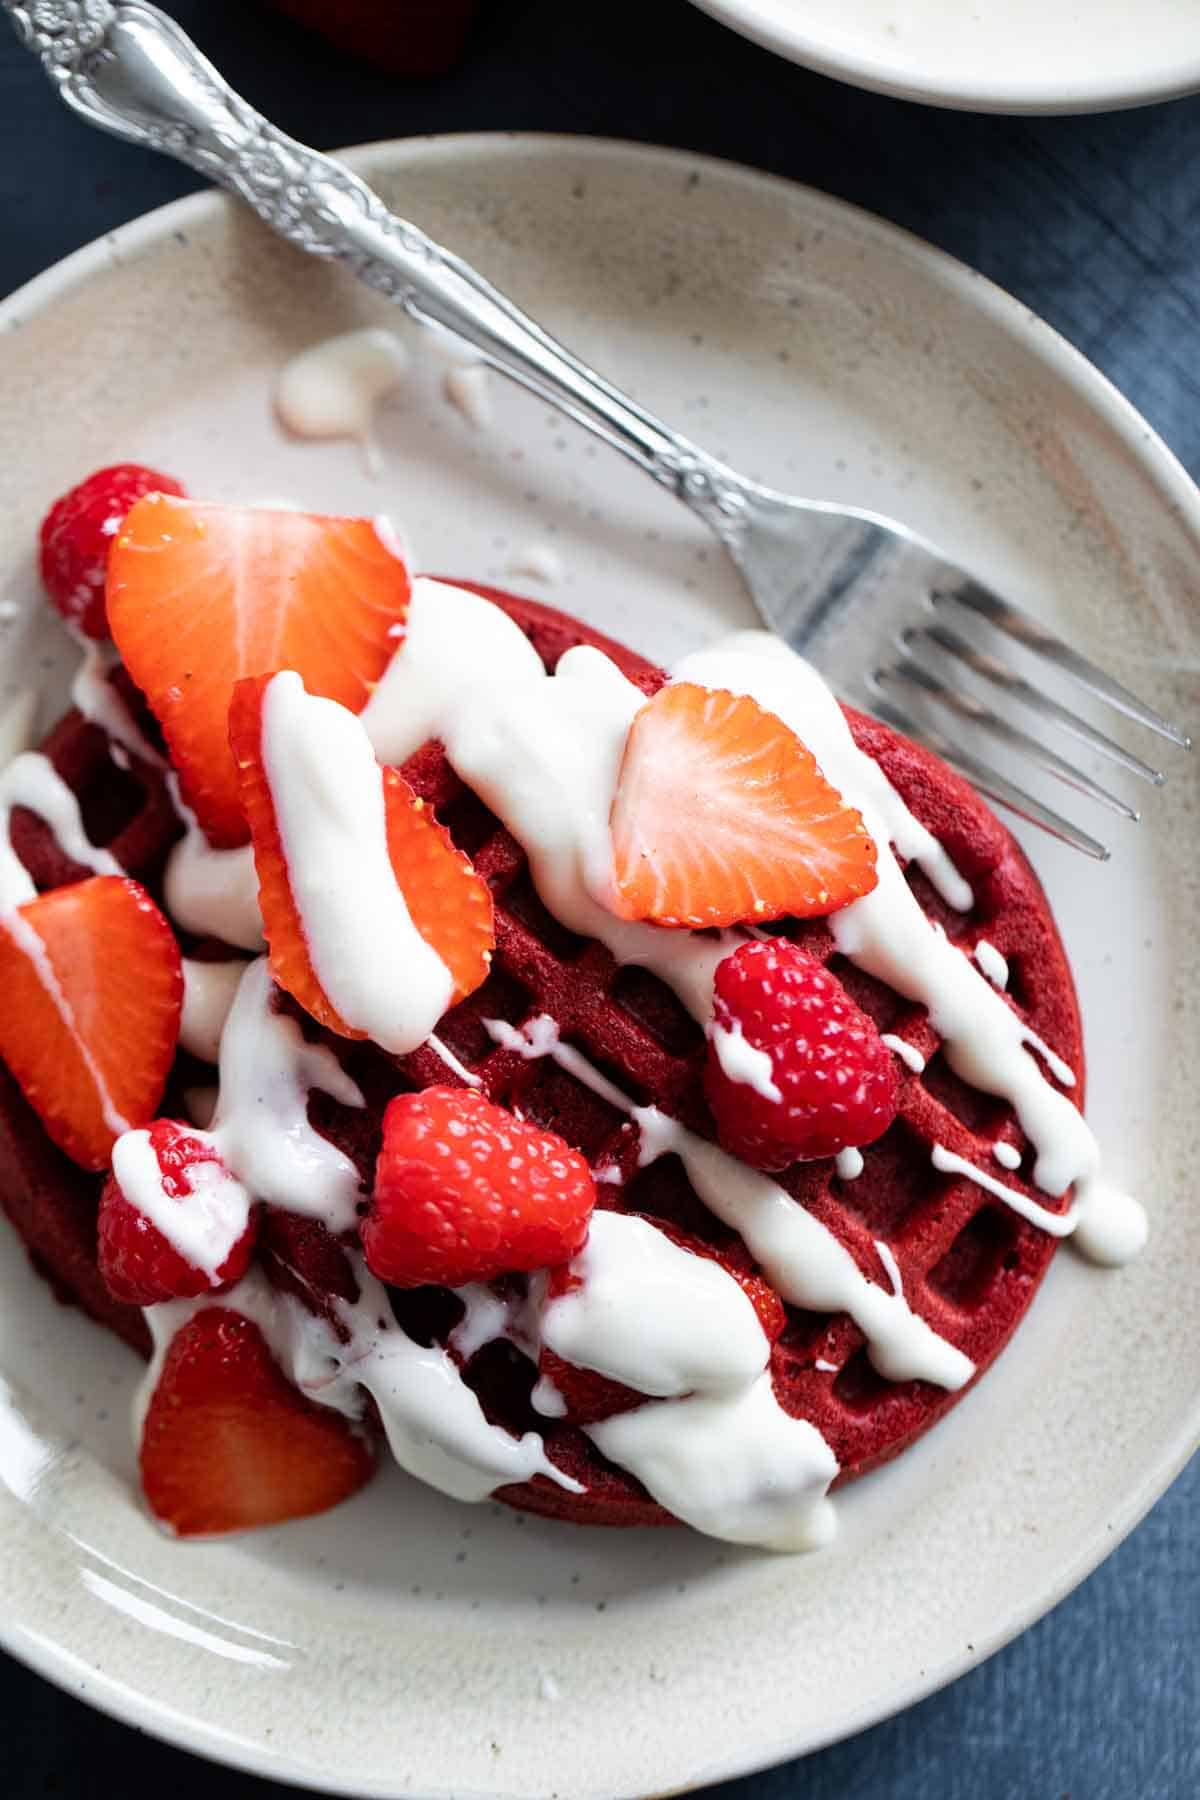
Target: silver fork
[872,604]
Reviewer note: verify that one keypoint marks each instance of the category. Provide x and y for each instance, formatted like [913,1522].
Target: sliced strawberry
[91,987]
[590,1396]
[200,596]
[229,1443]
[450,905]
[722,815]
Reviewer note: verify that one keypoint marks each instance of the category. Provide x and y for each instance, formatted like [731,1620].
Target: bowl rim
[880,75]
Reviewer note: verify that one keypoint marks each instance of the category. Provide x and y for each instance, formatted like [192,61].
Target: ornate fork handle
[132,71]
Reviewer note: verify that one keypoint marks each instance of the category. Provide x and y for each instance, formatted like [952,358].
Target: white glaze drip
[724,1465]
[742,1061]
[1112,1227]
[468,389]
[633,1318]
[849,1163]
[208,994]
[1055,1224]
[801,1257]
[993,965]
[211,892]
[537,562]
[332,389]
[327,789]
[804,1261]
[202,1226]
[908,1053]
[891,1266]
[31,780]
[545,1398]
[99,702]
[261,1125]
[1007,1155]
[434,1424]
[444,1052]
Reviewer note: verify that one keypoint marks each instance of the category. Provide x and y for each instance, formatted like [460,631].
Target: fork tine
[1001,676]
[968,707]
[1027,630]
[989,781]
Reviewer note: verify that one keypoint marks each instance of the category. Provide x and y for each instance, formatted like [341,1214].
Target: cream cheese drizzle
[93,694]
[380,974]
[543,752]
[433,1422]
[744,1062]
[332,389]
[204,1225]
[261,1123]
[31,780]
[211,892]
[801,1258]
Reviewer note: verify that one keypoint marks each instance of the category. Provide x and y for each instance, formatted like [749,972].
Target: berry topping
[77,536]
[589,1396]
[92,986]
[828,1081]
[722,815]
[229,1443]
[465,1191]
[200,596]
[175,1176]
[447,902]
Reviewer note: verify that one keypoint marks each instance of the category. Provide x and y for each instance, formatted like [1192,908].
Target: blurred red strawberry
[405,37]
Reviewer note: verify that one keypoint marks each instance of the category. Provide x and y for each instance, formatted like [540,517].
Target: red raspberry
[835,1078]
[590,1396]
[77,534]
[138,1263]
[465,1192]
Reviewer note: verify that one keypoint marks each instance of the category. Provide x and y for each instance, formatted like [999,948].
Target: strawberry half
[200,596]
[229,1443]
[91,987]
[721,815]
[448,903]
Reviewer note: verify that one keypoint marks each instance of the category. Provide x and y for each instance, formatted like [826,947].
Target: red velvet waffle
[969,1265]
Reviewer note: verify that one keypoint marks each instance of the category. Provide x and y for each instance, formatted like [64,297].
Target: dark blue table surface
[1095,223]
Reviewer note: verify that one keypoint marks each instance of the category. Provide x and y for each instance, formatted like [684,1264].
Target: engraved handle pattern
[61,34]
[130,70]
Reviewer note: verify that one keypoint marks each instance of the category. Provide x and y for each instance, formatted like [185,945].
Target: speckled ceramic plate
[1025,56]
[407,1644]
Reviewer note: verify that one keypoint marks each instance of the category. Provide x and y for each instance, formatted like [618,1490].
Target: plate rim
[55,1661]
[878,76]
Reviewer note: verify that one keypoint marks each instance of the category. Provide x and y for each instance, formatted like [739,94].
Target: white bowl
[405,1644]
[1021,56]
